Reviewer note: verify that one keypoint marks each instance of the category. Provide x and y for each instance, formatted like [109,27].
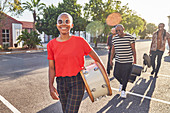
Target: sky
[153,11]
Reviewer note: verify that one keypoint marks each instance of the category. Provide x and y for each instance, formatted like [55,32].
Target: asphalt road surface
[24,87]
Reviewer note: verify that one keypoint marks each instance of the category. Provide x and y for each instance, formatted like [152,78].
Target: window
[5,36]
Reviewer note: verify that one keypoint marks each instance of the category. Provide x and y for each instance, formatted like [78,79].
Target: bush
[31,40]
[6,46]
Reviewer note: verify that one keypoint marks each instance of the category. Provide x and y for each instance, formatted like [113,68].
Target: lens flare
[95,28]
[113,19]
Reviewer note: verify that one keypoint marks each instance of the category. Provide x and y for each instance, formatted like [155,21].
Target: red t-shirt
[68,55]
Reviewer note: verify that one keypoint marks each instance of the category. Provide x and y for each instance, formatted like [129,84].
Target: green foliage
[148,31]
[31,40]
[134,24]
[74,9]
[80,24]
[150,28]
[99,10]
[48,23]
[95,28]
[142,34]
[16,7]
[5,46]
[12,6]
[95,10]
[35,7]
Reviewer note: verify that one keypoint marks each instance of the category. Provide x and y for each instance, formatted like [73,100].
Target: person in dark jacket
[109,44]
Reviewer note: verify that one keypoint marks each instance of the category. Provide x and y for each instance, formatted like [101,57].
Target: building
[11,28]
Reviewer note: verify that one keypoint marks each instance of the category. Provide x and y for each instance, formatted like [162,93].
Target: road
[24,87]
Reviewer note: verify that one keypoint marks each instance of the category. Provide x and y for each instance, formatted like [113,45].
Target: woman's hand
[54,94]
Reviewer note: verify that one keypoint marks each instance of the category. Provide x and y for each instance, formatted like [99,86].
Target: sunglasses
[61,22]
[160,26]
[118,31]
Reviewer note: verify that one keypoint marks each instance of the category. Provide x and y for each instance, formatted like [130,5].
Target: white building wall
[82,34]
[169,24]
[16,31]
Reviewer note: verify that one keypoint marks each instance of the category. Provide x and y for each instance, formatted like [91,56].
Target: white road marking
[160,75]
[4,60]
[28,51]
[10,106]
[13,57]
[146,97]
[8,52]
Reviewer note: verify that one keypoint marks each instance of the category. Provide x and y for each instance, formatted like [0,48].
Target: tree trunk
[96,40]
[85,34]
[34,17]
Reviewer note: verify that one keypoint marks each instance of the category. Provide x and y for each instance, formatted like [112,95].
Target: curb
[44,50]
[102,46]
[16,52]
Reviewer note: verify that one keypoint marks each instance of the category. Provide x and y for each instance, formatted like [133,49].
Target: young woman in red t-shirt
[66,60]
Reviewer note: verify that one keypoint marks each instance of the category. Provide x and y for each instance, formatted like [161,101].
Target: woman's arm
[96,58]
[53,91]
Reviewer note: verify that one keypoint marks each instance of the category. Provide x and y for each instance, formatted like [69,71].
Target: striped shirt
[123,50]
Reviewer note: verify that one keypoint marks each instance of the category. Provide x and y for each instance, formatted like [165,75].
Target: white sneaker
[120,87]
[123,94]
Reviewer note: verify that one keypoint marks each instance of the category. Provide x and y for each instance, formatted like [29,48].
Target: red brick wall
[6,23]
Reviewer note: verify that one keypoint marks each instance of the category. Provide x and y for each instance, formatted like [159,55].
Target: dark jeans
[109,67]
[71,91]
[157,54]
[122,72]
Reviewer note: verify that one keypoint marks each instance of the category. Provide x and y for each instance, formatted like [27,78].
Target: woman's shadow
[132,104]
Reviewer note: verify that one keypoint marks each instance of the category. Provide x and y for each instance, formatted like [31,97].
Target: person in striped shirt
[125,55]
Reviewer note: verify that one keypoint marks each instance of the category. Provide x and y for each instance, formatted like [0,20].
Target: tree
[16,7]
[74,9]
[142,34]
[95,29]
[135,24]
[80,24]
[7,6]
[35,7]
[31,40]
[97,10]
[150,28]
[48,23]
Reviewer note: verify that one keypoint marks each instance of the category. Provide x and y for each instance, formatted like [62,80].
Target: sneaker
[120,87]
[123,94]
[152,72]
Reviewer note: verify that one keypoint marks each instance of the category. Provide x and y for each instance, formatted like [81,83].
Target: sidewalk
[44,48]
